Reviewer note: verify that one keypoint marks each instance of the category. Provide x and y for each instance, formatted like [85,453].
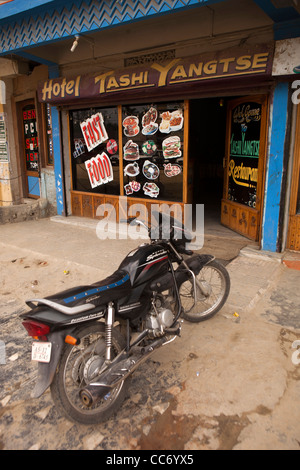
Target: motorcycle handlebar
[140,222]
[134,219]
[127,221]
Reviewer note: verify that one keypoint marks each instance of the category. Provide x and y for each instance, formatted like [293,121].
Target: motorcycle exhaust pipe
[93,393]
[110,379]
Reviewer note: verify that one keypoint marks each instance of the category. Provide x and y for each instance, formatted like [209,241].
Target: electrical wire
[11,179]
[17,200]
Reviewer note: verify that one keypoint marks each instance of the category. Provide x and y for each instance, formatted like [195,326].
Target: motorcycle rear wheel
[215,279]
[77,367]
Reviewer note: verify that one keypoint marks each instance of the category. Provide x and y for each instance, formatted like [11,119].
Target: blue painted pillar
[279,119]
[56,130]
[58,171]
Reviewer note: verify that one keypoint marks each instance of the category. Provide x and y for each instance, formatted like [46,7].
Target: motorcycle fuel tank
[144,263]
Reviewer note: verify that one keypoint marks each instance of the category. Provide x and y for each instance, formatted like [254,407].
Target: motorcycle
[90,339]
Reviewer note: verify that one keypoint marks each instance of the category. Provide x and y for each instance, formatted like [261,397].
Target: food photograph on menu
[153,150]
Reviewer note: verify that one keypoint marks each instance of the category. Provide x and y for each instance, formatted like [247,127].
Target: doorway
[206,154]
[227,148]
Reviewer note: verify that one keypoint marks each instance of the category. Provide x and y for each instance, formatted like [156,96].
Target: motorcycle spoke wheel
[215,280]
[79,366]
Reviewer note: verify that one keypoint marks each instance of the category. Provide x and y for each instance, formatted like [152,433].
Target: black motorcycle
[90,339]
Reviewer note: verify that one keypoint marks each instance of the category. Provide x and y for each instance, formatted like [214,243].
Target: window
[244,153]
[94,150]
[153,151]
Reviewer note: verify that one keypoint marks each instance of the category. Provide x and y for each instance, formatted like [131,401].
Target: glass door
[244,165]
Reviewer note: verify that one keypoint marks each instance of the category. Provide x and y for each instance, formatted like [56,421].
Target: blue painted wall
[33,186]
[50,21]
[14,7]
[279,119]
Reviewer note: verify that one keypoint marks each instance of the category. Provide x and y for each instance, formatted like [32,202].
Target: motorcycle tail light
[36,329]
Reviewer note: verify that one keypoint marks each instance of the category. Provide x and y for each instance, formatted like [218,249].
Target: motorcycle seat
[83,298]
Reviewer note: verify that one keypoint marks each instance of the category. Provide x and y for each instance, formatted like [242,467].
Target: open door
[30,145]
[244,164]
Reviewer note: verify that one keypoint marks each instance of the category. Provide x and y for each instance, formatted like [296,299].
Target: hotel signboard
[169,78]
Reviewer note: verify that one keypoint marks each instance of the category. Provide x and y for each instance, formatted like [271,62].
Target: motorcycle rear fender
[46,371]
[56,319]
[195,264]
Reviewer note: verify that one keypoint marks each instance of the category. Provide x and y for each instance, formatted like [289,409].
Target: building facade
[149,102]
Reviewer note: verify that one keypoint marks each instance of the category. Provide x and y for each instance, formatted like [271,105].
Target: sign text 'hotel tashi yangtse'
[159,77]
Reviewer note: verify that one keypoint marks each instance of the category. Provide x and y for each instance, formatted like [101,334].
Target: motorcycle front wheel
[78,366]
[215,280]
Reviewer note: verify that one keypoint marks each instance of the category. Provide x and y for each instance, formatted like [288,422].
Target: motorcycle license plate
[41,351]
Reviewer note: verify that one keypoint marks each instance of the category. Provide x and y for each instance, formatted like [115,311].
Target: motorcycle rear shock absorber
[110,318]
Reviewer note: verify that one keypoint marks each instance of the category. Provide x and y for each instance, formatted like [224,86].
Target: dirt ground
[228,383]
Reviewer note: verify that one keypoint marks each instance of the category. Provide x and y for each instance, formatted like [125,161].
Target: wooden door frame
[258,211]
[81,199]
[293,242]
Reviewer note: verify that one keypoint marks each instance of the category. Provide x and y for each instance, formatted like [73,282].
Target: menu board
[3,140]
[244,153]
[31,138]
[153,150]
[50,151]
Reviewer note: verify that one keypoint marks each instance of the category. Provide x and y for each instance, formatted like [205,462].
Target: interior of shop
[207,137]
[206,152]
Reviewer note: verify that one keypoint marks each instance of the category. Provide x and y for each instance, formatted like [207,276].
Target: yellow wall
[5,186]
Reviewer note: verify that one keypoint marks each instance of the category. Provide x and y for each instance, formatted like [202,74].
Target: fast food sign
[94,131]
[99,169]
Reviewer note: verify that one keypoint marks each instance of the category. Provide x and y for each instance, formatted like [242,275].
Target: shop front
[190,130]
[141,156]
[293,238]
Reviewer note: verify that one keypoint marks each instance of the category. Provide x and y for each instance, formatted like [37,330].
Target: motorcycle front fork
[196,282]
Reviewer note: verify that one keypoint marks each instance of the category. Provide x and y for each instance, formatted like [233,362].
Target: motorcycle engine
[161,315]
